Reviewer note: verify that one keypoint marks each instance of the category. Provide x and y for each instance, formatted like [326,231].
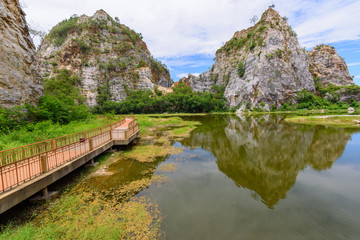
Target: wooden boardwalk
[27,163]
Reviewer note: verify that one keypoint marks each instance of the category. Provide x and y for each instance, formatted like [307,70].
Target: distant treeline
[182,100]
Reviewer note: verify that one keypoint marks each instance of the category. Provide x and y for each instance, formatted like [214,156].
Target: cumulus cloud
[174,29]
[180,28]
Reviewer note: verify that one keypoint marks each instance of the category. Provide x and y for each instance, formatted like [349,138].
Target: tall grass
[46,130]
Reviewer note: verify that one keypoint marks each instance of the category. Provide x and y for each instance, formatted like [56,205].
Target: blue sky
[185,34]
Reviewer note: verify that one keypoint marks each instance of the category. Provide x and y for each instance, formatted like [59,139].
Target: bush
[83,46]
[241,69]
[61,104]
[69,86]
[181,100]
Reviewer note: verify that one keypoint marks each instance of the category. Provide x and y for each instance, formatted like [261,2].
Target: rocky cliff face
[103,53]
[329,67]
[20,81]
[260,66]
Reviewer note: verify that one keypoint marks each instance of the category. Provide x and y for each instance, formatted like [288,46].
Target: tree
[272,6]
[117,19]
[254,19]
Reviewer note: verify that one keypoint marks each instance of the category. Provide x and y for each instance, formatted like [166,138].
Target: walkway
[25,164]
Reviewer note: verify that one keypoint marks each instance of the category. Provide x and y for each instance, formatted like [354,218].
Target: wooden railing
[24,163]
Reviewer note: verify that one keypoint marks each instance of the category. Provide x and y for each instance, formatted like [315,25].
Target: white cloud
[189,27]
[187,74]
[357,77]
[354,64]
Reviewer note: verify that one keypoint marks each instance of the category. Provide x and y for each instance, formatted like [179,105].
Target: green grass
[87,215]
[47,130]
[336,121]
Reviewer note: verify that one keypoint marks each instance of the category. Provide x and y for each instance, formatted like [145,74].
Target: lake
[248,177]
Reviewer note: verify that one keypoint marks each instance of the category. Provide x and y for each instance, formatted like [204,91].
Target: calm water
[261,178]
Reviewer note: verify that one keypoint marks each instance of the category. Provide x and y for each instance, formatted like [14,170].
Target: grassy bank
[330,120]
[47,130]
[87,211]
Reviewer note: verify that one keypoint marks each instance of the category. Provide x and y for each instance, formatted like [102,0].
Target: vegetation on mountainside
[61,104]
[324,98]
[60,32]
[252,39]
[182,100]
[92,34]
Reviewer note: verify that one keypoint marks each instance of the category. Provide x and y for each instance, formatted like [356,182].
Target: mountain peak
[101,15]
[103,54]
[270,14]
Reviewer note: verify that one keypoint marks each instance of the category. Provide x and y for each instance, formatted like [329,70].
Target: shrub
[182,99]
[241,69]
[83,46]
[69,86]
[252,46]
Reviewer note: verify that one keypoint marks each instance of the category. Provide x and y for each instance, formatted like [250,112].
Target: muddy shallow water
[261,178]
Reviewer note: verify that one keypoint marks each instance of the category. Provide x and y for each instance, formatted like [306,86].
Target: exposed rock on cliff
[20,81]
[329,67]
[260,66]
[103,53]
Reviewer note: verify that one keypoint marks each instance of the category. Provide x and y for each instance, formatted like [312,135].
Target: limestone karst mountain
[329,67]
[20,81]
[102,53]
[261,66]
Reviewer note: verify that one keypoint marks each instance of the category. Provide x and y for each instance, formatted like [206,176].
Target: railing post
[85,135]
[91,146]
[53,145]
[111,138]
[2,179]
[43,163]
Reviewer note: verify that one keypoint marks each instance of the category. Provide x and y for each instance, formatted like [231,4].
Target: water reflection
[265,154]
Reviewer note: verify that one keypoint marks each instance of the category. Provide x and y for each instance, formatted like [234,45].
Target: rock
[329,67]
[260,66]
[351,110]
[346,94]
[20,81]
[102,52]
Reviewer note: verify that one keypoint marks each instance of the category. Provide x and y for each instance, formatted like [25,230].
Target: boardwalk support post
[45,192]
[45,195]
[91,164]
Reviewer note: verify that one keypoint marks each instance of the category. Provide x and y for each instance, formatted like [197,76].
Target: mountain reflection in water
[264,154]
